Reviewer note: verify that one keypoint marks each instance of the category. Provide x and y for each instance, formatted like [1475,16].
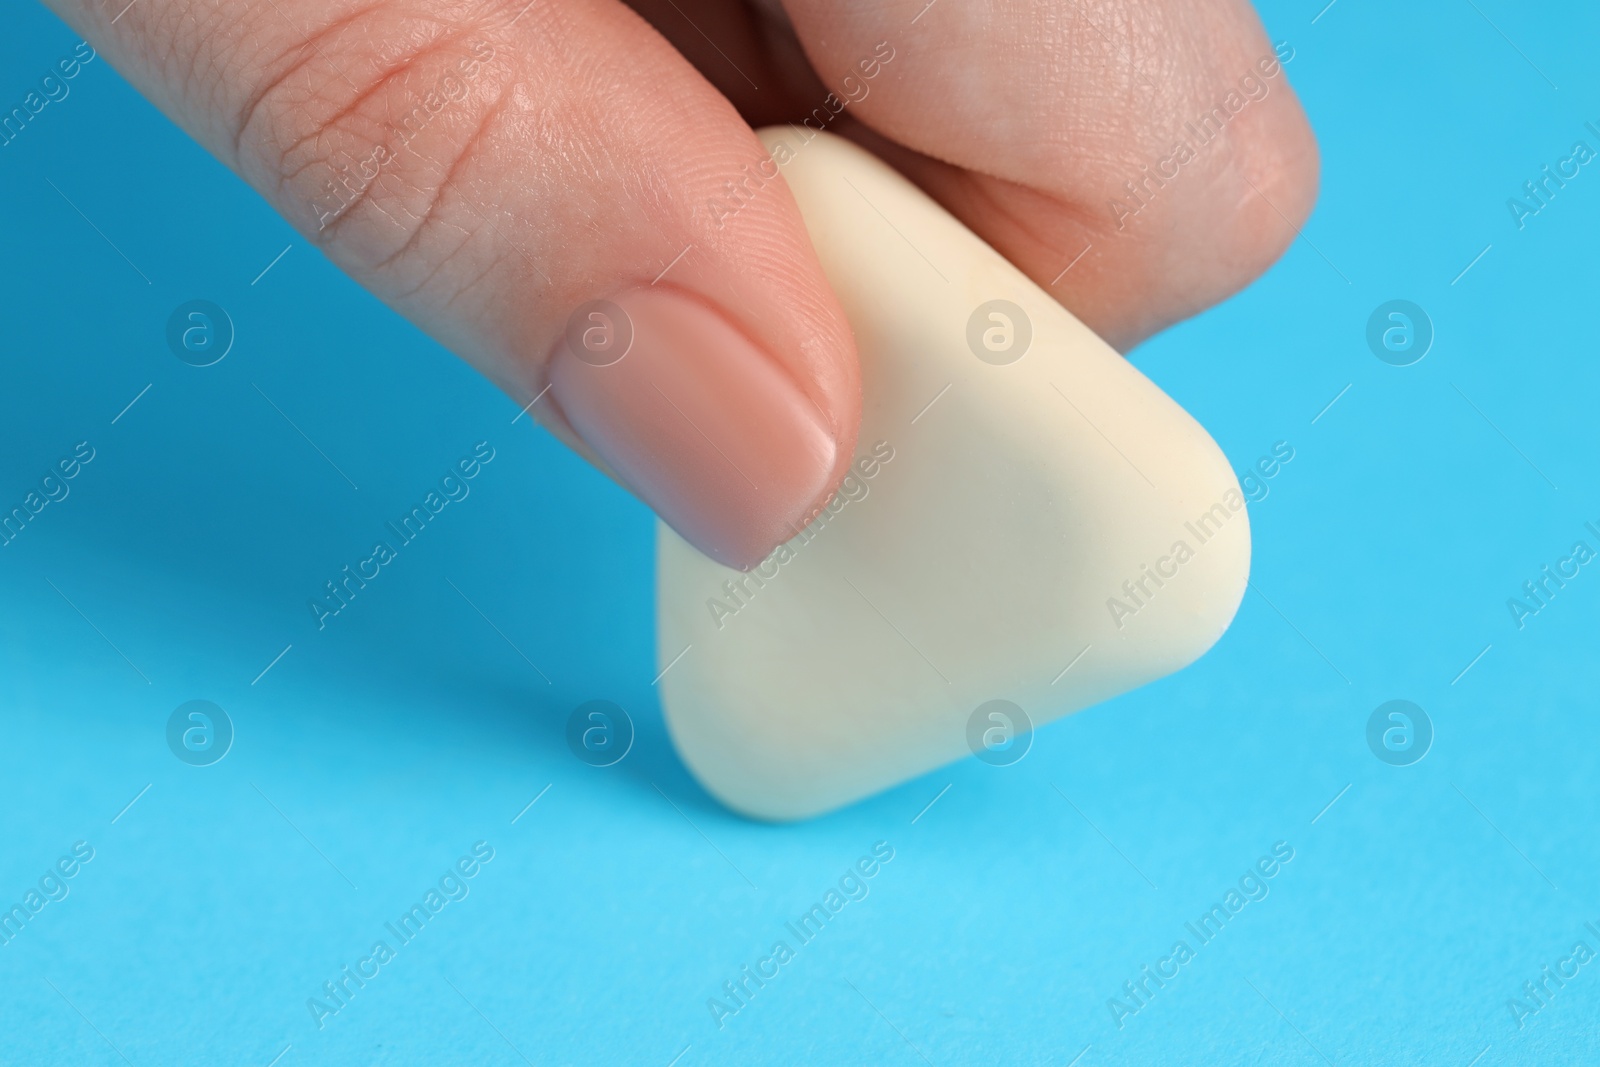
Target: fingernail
[697,418]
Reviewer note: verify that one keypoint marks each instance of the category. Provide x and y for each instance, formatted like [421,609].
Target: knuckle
[363,131]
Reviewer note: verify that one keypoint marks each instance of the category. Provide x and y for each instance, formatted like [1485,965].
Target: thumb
[545,188]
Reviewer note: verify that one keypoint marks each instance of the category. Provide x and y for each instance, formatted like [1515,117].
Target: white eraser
[1031,527]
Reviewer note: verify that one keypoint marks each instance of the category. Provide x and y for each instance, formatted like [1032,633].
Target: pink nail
[699,420]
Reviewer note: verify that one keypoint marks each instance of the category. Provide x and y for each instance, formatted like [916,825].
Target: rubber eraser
[1030,527]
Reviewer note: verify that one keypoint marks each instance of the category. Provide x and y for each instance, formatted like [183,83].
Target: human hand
[490,169]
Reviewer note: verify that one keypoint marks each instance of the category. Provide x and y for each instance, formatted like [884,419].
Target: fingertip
[709,428]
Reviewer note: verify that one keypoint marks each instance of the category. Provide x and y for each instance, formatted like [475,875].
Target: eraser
[1030,527]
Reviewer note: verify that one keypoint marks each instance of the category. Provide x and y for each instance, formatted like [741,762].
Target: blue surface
[377,751]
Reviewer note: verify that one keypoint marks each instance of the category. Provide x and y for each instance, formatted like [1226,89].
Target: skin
[579,161]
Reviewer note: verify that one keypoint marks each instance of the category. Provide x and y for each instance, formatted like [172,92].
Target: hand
[492,168]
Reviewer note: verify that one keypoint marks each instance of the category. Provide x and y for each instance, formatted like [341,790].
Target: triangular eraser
[1031,527]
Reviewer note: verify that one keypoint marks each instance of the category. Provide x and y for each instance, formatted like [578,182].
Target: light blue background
[375,752]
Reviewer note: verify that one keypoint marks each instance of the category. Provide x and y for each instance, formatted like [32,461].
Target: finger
[492,170]
[1158,140]
[734,42]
